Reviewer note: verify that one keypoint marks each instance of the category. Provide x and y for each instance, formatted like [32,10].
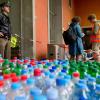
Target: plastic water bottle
[76,77]
[97,93]
[23,80]
[79,92]
[7,82]
[63,93]
[2,97]
[52,93]
[35,92]
[91,85]
[38,78]
[16,91]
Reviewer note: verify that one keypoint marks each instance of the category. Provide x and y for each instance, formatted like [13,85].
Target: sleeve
[79,31]
[96,28]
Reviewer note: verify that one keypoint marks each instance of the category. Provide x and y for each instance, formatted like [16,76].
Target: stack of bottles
[29,79]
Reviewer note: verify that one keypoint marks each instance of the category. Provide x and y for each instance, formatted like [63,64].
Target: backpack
[69,36]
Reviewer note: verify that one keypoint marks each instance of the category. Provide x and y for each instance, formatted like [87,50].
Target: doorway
[55,21]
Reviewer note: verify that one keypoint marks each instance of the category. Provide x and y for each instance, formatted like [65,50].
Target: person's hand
[1,34]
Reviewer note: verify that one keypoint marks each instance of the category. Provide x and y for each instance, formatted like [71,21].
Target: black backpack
[69,36]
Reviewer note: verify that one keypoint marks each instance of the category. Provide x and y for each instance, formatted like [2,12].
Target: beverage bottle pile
[29,79]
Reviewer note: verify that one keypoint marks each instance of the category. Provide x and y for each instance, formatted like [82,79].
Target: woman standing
[76,48]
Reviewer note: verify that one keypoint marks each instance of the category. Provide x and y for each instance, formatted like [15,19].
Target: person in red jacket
[95,36]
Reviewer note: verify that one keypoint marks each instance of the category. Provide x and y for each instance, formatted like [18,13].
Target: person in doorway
[95,36]
[5,30]
[76,49]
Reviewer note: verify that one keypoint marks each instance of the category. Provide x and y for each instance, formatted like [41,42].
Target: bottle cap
[36,91]
[81,85]
[15,79]
[1,83]
[16,86]
[52,76]
[30,81]
[47,73]
[26,61]
[23,71]
[37,72]
[13,75]
[51,70]
[1,77]
[92,79]
[98,87]
[76,74]
[60,82]
[82,81]
[54,67]
[24,77]
[6,76]
[40,97]
[67,77]
[2,97]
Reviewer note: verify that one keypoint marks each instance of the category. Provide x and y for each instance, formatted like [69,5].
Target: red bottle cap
[13,75]
[6,76]
[26,61]
[23,78]
[1,83]
[32,63]
[15,58]
[76,74]
[15,79]
[37,72]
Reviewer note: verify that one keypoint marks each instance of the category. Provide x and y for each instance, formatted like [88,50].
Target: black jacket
[5,26]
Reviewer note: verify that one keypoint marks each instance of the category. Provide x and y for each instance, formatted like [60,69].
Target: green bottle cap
[11,65]
[6,71]
[6,62]
[45,66]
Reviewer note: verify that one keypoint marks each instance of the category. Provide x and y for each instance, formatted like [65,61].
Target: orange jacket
[95,37]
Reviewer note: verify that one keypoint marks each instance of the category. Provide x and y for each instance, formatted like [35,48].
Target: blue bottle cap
[92,79]
[23,72]
[29,65]
[30,69]
[47,73]
[1,77]
[15,86]
[67,77]
[63,70]
[51,70]
[60,82]
[20,98]
[51,76]
[30,81]
[40,97]
[98,76]
[2,97]
[54,67]
[61,74]
[98,87]
[82,81]
[36,91]
[81,85]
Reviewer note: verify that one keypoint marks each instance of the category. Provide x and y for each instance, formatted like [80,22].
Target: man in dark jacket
[5,31]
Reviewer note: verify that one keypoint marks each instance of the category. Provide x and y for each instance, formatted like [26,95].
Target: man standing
[95,36]
[5,31]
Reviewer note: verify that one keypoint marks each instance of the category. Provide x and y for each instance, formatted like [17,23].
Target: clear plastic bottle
[76,77]
[2,97]
[15,91]
[39,82]
[63,93]
[7,82]
[97,93]
[91,85]
[35,92]
[79,92]
[52,93]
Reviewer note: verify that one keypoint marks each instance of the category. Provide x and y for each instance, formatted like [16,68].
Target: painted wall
[41,24]
[85,7]
[67,13]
